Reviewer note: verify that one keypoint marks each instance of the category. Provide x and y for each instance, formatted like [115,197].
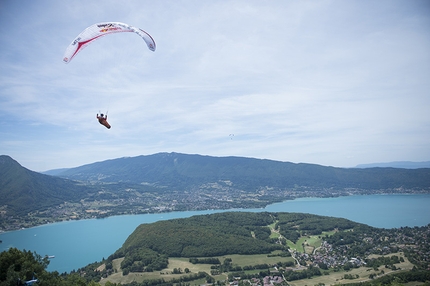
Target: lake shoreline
[217,210]
[80,242]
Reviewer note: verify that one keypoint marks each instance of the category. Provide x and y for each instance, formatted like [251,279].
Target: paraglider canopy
[99,30]
[29,282]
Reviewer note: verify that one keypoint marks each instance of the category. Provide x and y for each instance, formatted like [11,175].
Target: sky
[334,83]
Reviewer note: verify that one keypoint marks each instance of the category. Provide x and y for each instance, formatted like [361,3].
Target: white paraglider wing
[96,31]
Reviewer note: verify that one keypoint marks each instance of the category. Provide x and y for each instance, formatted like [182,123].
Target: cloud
[328,82]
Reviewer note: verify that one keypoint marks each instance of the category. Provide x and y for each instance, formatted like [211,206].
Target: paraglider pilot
[29,282]
[103,120]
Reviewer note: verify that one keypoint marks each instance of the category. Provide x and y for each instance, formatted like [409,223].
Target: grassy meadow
[182,263]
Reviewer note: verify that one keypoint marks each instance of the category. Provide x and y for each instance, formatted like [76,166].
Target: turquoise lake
[78,243]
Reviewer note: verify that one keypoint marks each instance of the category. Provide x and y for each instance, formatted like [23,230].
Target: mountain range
[166,177]
[181,171]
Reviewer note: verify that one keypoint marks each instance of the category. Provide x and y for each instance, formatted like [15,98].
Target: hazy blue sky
[336,83]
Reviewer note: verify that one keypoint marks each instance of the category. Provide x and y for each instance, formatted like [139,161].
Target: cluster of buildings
[266,281]
[328,257]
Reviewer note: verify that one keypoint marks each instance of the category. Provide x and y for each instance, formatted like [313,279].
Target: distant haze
[400,164]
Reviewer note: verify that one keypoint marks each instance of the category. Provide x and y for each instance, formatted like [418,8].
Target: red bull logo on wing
[110,29]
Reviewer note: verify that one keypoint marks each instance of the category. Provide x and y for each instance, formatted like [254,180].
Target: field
[182,263]
[245,260]
[308,244]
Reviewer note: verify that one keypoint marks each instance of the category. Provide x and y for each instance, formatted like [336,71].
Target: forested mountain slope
[182,171]
[22,190]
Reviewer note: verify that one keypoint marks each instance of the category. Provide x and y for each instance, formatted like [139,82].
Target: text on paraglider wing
[76,41]
[105,25]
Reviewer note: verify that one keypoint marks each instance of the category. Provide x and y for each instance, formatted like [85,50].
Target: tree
[21,265]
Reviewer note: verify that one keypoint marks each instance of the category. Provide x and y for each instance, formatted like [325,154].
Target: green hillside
[22,190]
[221,234]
